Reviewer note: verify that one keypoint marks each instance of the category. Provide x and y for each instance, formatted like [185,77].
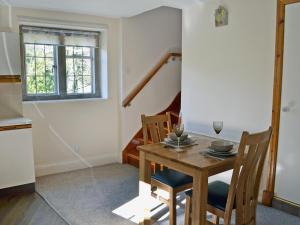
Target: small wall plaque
[221,16]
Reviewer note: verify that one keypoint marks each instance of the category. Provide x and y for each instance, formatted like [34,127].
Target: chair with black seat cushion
[242,193]
[171,181]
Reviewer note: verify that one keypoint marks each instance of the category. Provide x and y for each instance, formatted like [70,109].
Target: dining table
[193,161]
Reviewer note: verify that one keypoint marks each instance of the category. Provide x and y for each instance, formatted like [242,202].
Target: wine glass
[178,130]
[218,126]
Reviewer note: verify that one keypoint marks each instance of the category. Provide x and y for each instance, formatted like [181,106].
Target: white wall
[145,39]
[5,17]
[10,100]
[10,63]
[10,93]
[227,72]
[70,135]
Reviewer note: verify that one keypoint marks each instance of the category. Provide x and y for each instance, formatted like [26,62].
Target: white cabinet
[16,154]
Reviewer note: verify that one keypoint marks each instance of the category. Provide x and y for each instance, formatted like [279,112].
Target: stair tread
[133,151]
[137,141]
[133,156]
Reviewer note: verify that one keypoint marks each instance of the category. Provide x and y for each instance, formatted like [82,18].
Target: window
[60,63]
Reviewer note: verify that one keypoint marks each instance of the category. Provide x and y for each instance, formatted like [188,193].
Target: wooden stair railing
[126,102]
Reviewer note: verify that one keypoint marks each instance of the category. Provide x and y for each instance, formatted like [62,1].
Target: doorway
[284,150]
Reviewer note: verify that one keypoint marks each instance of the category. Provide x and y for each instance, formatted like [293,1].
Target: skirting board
[20,189]
[67,166]
[286,206]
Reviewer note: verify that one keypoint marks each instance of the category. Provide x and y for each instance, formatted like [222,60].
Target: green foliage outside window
[41,69]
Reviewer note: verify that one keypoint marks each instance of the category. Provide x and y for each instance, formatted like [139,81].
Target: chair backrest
[154,127]
[244,186]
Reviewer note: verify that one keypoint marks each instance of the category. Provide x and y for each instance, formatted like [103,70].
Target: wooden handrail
[148,77]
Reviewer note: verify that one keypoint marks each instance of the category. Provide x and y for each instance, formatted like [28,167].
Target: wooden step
[134,161]
[133,156]
[133,151]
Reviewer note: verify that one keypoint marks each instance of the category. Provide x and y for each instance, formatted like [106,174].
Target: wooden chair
[165,179]
[241,195]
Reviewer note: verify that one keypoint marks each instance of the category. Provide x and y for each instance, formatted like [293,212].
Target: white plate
[184,142]
[221,154]
[181,144]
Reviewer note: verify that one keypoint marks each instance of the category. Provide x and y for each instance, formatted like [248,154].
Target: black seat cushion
[217,194]
[172,177]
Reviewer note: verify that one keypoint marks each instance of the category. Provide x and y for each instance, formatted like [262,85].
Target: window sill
[66,100]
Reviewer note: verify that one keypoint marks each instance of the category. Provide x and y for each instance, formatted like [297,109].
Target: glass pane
[29,50]
[69,51]
[87,67]
[74,85]
[86,51]
[77,51]
[30,66]
[87,84]
[70,84]
[49,67]
[40,66]
[78,66]
[49,51]
[39,51]
[69,66]
[50,84]
[31,85]
[41,87]
[79,85]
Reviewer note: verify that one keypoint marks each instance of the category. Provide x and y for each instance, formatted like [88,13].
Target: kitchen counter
[15,123]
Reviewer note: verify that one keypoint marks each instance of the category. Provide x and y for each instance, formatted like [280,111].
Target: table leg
[144,189]
[199,199]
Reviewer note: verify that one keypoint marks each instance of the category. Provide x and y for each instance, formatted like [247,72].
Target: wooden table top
[193,156]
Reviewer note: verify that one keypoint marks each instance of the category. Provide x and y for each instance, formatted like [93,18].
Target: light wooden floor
[27,209]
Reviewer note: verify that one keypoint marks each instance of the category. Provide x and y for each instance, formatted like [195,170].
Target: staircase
[130,153]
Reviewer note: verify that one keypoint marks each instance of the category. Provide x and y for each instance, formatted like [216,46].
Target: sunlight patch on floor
[133,210]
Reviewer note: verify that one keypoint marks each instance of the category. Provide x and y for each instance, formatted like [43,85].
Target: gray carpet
[107,195]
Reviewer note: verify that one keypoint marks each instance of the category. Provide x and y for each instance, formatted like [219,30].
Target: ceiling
[109,8]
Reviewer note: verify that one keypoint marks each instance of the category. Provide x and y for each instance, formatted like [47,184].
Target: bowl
[173,137]
[222,146]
